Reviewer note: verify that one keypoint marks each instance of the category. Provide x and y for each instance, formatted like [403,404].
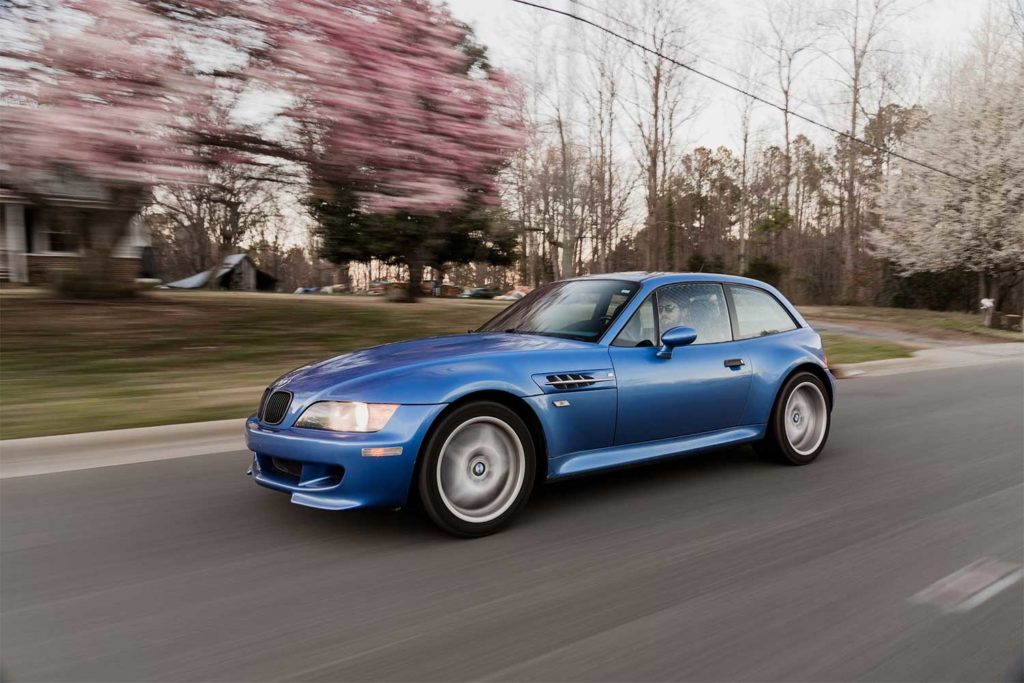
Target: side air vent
[574,380]
[276,407]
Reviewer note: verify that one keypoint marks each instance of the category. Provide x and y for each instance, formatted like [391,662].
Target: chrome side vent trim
[575,380]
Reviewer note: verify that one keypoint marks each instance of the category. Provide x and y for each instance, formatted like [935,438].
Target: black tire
[497,457]
[778,443]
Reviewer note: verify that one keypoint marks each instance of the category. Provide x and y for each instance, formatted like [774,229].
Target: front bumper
[329,470]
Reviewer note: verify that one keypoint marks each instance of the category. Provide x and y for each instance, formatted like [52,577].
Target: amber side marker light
[382,452]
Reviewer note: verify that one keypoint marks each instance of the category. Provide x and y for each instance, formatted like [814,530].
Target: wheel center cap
[796,418]
[479,468]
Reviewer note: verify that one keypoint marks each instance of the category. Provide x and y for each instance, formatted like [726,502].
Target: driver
[670,314]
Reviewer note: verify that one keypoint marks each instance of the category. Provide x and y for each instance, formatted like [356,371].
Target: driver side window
[700,305]
[642,328]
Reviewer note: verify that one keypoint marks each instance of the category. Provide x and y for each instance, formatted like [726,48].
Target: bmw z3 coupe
[579,376]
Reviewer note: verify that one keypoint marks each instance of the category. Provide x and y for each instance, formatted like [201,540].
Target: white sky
[930,32]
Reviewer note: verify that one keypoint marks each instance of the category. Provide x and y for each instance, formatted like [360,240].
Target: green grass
[71,366]
[842,349]
[169,357]
[936,323]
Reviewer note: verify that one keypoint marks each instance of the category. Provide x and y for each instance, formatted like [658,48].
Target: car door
[703,387]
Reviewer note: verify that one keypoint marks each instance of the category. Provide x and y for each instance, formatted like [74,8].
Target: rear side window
[758,313]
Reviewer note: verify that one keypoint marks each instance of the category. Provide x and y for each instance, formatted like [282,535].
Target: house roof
[200,279]
[192,281]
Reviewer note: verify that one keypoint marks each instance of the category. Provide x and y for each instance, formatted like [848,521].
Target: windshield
[574,309]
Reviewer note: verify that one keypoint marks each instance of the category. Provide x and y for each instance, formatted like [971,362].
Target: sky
[932,31]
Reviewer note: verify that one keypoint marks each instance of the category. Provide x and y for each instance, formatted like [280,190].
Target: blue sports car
[579,376]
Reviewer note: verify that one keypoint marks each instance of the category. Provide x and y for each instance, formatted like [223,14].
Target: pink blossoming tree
[103,92]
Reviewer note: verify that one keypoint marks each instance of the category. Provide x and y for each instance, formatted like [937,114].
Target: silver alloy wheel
[481,469]
[806,417]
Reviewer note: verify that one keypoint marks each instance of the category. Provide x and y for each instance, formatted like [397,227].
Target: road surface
[720,566]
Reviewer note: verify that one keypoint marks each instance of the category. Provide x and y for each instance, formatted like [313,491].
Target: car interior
[700,306]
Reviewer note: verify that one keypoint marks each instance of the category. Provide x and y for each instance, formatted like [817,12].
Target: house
[236,272]
[37,240]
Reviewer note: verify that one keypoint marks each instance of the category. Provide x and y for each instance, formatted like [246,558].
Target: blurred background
[196,196]
[862,155]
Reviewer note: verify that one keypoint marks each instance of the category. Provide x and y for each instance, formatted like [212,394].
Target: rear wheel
[800,421]
[477,470]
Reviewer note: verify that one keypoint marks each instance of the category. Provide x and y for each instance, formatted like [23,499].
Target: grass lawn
[845,349]
[935,323]
[169,357]
[71,366]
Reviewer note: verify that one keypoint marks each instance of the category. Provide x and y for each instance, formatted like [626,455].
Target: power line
[753,81]
[746,93]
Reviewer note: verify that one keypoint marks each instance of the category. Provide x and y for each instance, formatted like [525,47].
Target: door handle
[734,363]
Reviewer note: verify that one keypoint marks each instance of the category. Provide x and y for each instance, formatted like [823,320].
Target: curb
[67,452]
[933,359]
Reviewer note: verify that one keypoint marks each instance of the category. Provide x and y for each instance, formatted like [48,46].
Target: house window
[64,242]
[64,232]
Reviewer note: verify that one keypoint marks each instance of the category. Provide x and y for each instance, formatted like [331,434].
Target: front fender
[582,420]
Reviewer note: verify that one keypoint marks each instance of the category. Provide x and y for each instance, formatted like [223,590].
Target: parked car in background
[514,295]
[578,376]
[480,293]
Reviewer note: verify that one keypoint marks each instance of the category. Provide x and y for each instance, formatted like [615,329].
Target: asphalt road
[720,566]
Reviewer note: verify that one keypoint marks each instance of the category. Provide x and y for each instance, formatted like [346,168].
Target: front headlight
[345,416]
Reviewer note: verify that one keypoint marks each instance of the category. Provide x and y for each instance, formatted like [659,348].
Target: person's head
[670,314]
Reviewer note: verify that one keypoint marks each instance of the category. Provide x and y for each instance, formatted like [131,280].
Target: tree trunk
[744,200]
[345,275]
[437,288]
[412,291]
[95,275]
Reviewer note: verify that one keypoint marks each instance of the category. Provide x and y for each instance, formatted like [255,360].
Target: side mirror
[677,336]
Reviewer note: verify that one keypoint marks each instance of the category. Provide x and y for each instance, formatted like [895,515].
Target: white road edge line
[988,592]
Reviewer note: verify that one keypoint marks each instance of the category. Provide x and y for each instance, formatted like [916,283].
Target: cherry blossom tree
[103,92]
[383,88]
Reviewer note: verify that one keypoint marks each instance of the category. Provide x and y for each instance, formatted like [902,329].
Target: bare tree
[203,223]
[746,69]
[660,106]
[793,33]
[860,29]
[612,184]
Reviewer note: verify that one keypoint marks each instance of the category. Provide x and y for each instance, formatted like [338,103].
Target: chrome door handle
[734,363]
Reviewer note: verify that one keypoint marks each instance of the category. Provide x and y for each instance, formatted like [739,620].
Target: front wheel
[800,420]
[477,469]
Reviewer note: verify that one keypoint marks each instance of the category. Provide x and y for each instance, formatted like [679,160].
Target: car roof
[659,278]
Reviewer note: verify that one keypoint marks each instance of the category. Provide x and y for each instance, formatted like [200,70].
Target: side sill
[615,456]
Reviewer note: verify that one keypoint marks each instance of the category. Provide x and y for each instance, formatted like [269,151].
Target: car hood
[433,355]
